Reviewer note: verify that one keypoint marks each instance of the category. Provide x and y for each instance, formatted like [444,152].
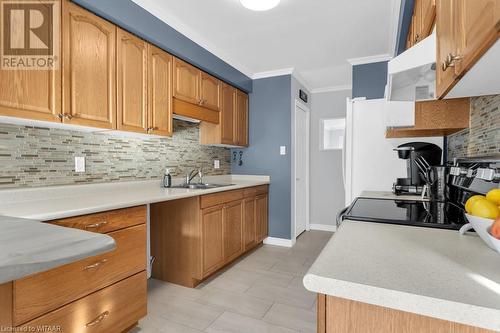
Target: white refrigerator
[370,164]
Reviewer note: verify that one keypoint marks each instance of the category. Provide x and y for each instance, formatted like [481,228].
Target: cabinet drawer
[107,221]
[109,310]
[256,190]
[220,198]
[46,291]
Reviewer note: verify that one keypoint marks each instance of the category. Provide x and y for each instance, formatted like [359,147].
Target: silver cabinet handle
[97,264]
[99,318]
[96,225]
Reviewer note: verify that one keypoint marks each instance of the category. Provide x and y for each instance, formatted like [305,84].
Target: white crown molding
[277,72]
[154,8]
[279,242]
[323,227]
[332,88]
[369,59]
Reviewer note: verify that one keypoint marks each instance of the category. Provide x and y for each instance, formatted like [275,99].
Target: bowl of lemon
[483,214]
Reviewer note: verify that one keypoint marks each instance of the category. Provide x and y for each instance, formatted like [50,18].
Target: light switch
[282,150]
[216,164]
[79,163]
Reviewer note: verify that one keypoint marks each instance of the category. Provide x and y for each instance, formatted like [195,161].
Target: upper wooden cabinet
[242,119]
[160,92]
[423,19]
[465,31]
[210,89]
[132,82]
[89,67]
[186,82]
[228,128]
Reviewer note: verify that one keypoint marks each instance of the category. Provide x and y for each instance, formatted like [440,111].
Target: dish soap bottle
[167,179]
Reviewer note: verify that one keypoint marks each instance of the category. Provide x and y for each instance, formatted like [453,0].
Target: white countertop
[390,195]
[49,203]
[28,247]
[432,272]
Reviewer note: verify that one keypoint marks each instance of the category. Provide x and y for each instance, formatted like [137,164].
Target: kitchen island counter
[430,272]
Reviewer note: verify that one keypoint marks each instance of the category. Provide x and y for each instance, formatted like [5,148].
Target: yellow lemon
[471,201]
[494,196]
[486,209]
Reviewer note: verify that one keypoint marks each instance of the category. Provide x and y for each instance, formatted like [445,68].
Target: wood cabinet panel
[249,227]
[212,239]
[219,198]
[46,291]
[233,230]
[6,299]
[348,316]
[160,92]
[242,118]
[132,82]
[210,89]
[228,116]
[428,11]
[108,221]
[261,216]
[111,310]
[186,82]
[89,68]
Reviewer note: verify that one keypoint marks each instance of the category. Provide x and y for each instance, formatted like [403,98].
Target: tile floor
[261,292]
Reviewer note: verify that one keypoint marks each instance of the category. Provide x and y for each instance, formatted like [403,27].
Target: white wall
[327,188]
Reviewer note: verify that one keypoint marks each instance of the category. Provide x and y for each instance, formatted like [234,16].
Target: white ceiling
[315,38]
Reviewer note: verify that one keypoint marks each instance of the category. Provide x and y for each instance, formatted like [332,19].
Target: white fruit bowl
[495,242]
[481,226]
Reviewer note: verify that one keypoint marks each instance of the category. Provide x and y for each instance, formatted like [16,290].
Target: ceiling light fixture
[259,5]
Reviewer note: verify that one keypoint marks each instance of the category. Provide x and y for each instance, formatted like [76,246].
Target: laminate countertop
[49,203]
[28,247]
[431,272]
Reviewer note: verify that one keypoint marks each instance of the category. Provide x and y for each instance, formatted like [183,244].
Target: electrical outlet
[216,164]
[79,163]
[282,150]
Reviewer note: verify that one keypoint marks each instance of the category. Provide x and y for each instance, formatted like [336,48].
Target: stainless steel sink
[198,186]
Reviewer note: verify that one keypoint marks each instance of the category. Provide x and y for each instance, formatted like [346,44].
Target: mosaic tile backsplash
[35,156]
[483,136]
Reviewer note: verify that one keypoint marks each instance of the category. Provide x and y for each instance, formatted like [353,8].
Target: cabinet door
[210,88]
[477,22]
[89,66]
[228,116]
[261,216]
[446,29]
[160,92]
[428,11]
[186,82]
[242,118]
[212,239]
[417,22]
[233,230]
[132,82]
[249,230]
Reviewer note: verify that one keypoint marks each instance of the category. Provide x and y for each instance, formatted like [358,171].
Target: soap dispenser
[167,179]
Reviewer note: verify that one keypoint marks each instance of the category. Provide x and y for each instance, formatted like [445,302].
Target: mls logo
[30,34]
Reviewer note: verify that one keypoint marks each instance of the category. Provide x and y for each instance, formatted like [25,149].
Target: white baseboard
[279,241]
[323,227]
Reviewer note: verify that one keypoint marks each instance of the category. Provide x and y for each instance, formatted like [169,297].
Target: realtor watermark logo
[30,34]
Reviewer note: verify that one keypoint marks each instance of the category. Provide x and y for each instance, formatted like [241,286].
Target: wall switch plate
[79,163]
[216,164]
[282,150]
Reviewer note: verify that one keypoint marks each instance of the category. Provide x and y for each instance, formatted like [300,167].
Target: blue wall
[270,128]
[137,20]
[405,16]
[369,80]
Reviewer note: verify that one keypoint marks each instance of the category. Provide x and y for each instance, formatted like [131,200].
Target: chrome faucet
[192,174]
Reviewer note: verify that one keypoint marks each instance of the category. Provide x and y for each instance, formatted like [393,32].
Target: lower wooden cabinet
[338,315]
[104,293]
[194,237]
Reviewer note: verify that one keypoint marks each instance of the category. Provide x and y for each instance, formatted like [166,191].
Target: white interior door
[301,169]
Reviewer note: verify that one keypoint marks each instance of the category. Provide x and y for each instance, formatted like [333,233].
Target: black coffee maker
[420,157]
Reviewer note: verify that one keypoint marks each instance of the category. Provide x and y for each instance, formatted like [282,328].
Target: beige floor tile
[156,324]
[297,283]
[186,312]
[285,295]
[237,302]
[232,322]
[289,267]
[163,290]
[292,317]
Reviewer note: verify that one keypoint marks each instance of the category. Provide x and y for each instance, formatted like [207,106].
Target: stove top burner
[432,214]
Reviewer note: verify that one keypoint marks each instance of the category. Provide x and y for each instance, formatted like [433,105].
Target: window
[332,133]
